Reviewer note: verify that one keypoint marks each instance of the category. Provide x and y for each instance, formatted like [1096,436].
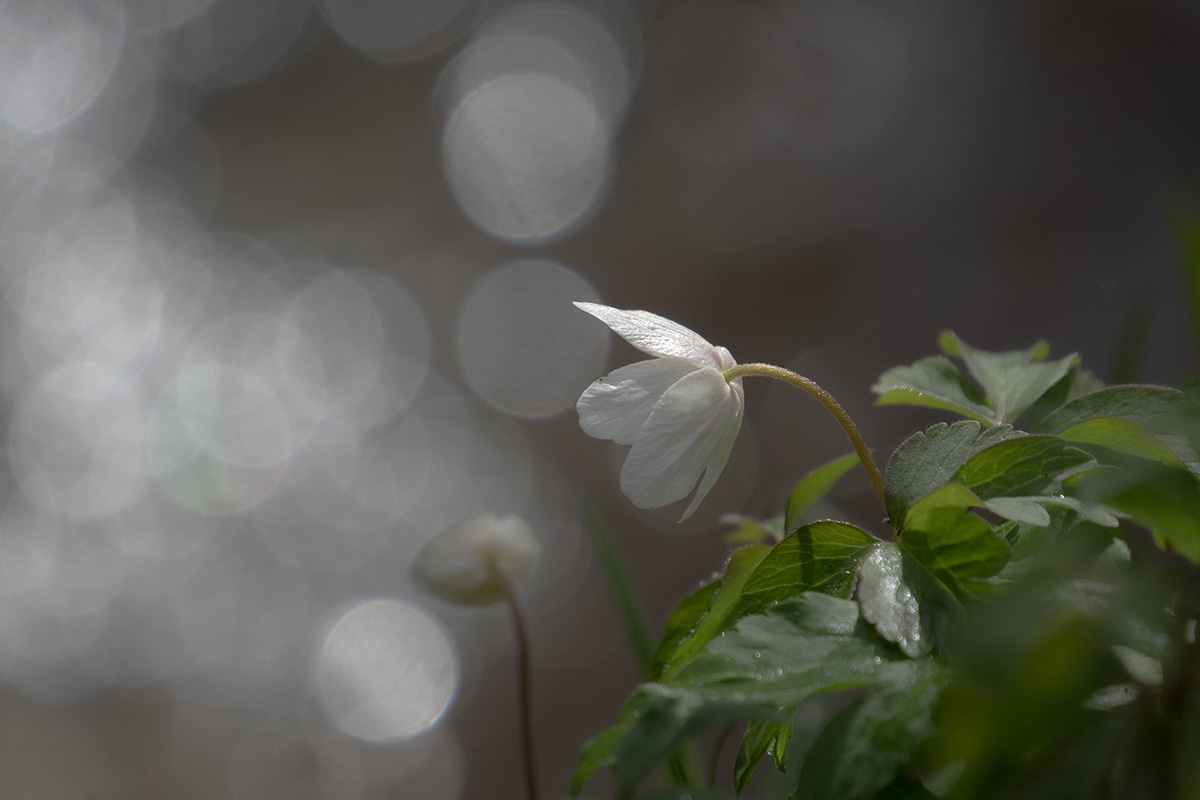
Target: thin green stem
[827,400]
[524,684]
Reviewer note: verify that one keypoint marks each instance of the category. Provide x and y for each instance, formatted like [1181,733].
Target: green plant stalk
[831,405]
[633,610]
[524,684]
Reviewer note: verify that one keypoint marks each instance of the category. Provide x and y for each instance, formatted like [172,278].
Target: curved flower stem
[827,400]
[524,683]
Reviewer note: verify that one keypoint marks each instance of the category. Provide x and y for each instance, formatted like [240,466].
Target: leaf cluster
[1026,628]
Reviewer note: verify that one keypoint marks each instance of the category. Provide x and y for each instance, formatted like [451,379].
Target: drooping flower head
[677,411]
[469,563]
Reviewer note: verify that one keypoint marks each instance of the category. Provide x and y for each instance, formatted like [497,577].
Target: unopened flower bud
[470,563]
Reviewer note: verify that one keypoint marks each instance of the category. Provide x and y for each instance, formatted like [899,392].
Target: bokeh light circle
[387,30]
[526,155]
[386,671]
[55,58]
[522,346]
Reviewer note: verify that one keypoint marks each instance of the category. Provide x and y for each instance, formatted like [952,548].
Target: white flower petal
[657,335]
[720,452]
[616,406]
[678,440]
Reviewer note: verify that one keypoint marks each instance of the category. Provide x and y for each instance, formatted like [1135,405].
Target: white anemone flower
[677,410]
[472,563]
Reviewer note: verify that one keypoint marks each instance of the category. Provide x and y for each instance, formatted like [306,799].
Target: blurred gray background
[286,292]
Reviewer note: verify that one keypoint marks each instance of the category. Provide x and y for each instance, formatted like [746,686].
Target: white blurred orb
[392,30]
[76,444]
[235,42]
[365,342]
[216,440]
[521,344]
[386,671]
[155,16]
[55,57]
[526,156]
[559,40]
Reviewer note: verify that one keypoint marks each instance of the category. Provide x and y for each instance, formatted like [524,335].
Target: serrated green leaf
[1018,466]
[1025,509]
[955,541]
[928,459]
[1013,380]
[761,738]
[1155,408]
[1076,383]
[933,382]
[860,751]
[886,600]
[668,718]
[814,486]
[808,559]
[952,495]
[1123,436]
[798,648]
[1095,513]
[721,611]
[1165,501]
[682,623]
[1019,509]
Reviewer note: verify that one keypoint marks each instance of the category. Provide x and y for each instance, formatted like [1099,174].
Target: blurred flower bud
[469,563]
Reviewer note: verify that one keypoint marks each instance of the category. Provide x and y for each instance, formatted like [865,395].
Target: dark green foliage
[1020,636]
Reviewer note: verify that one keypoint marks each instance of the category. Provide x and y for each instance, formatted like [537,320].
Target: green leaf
[1076,383]
[599,751]
[888,602]
[860,751]
[933,383]
[1123,436]
[814,486]
[668,718]
[811,558]
[798,648]
[1019,509]
[952,495]
[955,541]
[1025,509]
[1155,408]
[682,623]
[761,738]
[928,459]
[629,604]
[1011,380]
[1018,466]
[748,530]
[1165,501]
[721,612]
